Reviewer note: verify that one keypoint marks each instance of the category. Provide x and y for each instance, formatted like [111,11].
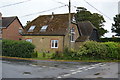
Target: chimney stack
[52,15]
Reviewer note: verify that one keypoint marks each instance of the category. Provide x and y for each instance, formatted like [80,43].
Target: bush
[35,55]
[113,50]
[110,39]
[95,50]
[57,56]
[68,54]
[92,50]
[17,48]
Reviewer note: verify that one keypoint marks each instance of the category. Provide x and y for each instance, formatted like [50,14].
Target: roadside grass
[48,59]
[44,56]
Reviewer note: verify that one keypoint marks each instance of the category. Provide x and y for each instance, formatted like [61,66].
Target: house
[10,28]
[50,33]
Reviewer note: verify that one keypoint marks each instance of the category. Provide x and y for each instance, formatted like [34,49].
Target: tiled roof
[85,29]
[6,21]
[57,25]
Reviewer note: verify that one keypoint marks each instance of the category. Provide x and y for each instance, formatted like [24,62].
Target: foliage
[113,50]
[110,39]
[96,19]
[35,54]
[17,48]
[45,55]
[93,50]
[116,25]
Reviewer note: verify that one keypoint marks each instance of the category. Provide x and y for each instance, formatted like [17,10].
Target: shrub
[57,56]
[110,39]
[17,48]
[35,54]
[113,50]
[92,50]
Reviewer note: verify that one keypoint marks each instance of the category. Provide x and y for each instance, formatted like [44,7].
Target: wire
[64,3]
[97,10]
[44,11]
[14,3]
[88,4]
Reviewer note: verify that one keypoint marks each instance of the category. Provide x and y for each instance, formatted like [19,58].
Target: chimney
[0,19]
[52,15]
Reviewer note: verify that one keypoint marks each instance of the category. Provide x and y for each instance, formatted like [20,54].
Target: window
[20,30]
[43,29]
[73,20]
[72,37]
[29,40]
[54,43]
[31,29]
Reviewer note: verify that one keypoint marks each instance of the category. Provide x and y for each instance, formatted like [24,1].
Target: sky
[27,10]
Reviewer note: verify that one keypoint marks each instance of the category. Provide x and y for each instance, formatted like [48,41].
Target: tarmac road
[55,69]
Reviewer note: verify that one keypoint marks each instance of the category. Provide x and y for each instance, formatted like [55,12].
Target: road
[55,69]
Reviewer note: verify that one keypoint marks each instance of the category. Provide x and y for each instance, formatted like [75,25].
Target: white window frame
[72,39]
[53,41]
[29,40]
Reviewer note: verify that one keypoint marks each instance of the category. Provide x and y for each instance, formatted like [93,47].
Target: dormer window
[43,29]
[31,29]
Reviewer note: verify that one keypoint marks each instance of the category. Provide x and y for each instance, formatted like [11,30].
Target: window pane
[72,30]
[56,43]
[29,40]
[31,28]
[52,43]
[72,36]
[43,29]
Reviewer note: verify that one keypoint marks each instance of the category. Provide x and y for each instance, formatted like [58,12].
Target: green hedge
[92,50]
[113,50]
[17,48]
[110,39]
[96,50]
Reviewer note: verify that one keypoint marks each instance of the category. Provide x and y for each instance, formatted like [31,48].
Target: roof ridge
[10,17]
[55,14]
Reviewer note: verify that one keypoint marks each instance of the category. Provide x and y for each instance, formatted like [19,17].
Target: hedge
[96,50]
[110,39]
[92,50]
[113,50]
[17,48]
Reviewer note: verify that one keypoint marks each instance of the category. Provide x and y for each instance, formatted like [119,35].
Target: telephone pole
[69,32]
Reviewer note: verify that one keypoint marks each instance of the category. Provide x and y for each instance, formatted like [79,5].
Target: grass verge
[59,60]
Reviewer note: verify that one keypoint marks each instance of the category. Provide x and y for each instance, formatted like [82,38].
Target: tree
[96,19]
[116,25]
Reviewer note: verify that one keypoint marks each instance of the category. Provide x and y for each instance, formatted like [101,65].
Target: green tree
[116,25]
[96,19]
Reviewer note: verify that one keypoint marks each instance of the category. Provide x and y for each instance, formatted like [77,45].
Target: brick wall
[12,32]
